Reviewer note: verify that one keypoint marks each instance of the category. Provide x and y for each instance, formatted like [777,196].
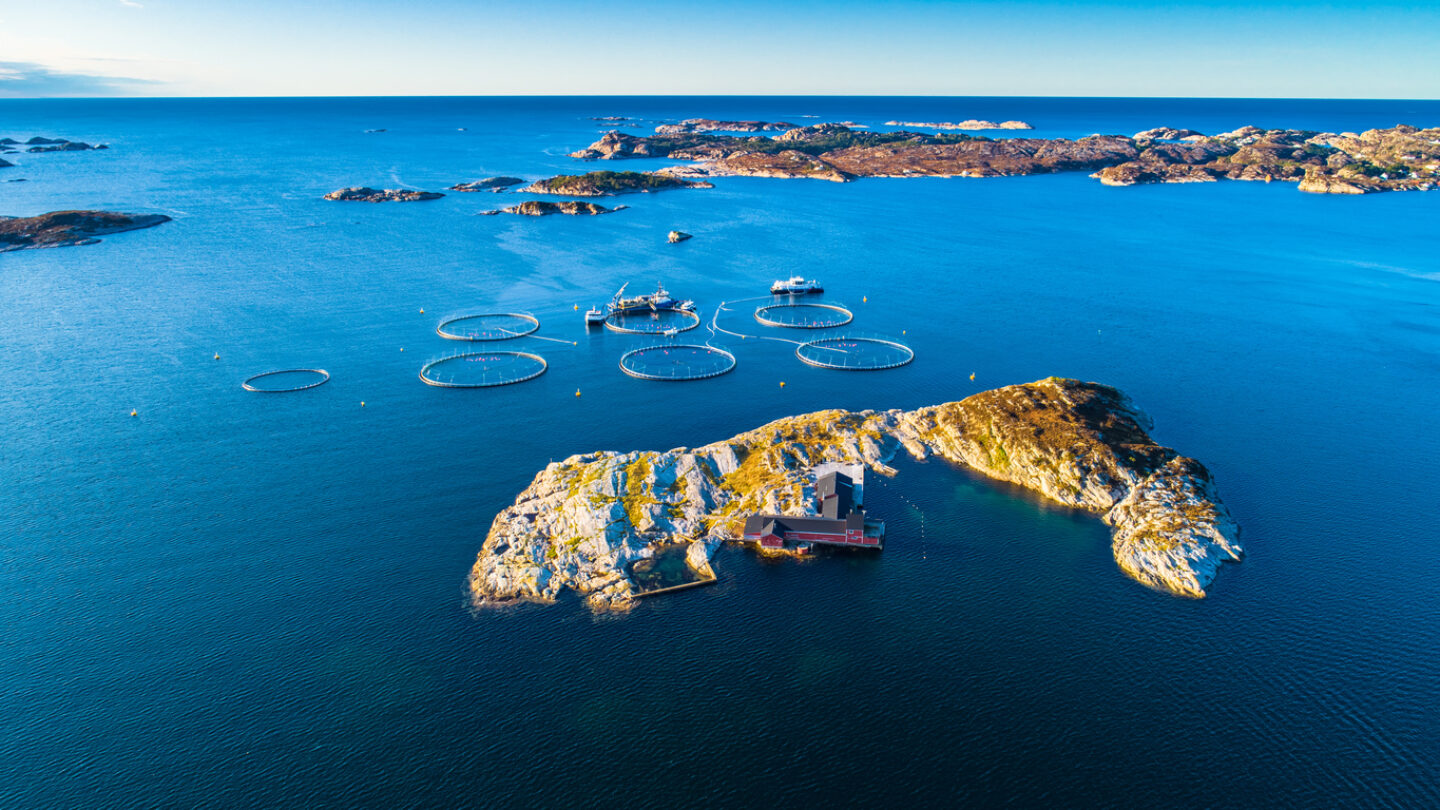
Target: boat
[594,316]
[650,302]
[796,285]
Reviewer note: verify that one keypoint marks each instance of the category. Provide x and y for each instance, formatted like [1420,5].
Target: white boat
[594,316]
[796,285]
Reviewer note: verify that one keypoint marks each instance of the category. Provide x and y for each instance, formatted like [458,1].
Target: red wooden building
[840,522]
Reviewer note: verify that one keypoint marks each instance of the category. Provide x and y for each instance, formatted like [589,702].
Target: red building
[840,522]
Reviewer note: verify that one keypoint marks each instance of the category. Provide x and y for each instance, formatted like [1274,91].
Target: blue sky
[1290,48]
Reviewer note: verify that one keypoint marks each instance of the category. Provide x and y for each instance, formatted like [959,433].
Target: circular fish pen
[854,353]
[482,369]
[286,380]
[652,322]
[487,326]
[804,315]
[677,363]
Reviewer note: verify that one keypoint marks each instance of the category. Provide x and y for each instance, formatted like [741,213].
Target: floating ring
[324,378]
[762,314]
[680,372]
[427,377]
[509,334]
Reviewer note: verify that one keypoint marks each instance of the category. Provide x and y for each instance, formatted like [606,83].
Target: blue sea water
[234,599]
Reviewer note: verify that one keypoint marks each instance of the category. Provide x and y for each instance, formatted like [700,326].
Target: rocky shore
[367,194]
[1400,158]
[583,520]
[69,228]
[605,184]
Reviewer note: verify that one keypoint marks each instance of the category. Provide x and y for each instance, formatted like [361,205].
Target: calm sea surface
[235,599]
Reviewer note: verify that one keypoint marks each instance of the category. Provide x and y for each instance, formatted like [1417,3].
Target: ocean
[234,599]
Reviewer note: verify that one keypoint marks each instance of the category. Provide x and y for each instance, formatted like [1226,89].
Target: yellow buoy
[782,383]
[362,403]
[972,375]
[577,307]
[864,299]
[134,412]
[577,392]
[402,348]
[422,310]
[217,355]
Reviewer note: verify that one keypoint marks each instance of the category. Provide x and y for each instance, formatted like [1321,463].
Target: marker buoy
[972,375]
[577,307]
[217,355]
[577,392]
[782,383]
[362,403]
[864,299]
[134,412]
[422,310]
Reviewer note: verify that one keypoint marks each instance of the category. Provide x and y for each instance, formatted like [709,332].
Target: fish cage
[482,369]
[677,363]
[849,353]
[487,326]
[804,315]
[286,380]
[652,322]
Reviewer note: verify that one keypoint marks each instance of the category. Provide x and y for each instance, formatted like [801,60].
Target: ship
[651,302]
[594,316]
[796,285]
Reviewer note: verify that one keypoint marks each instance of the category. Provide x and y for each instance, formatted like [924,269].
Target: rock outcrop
[367,194]
[67,146]
[971,124]
[68,228]
[1396,159]
[488,184]
[582,520]
[605,184]
[540,208]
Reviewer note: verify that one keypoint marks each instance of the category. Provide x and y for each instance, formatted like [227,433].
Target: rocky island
[69,228]
[605,184]
[367,194]
[711,125]
[540,208]
[583,520]
[971,124]
[1397,159]
[488,184]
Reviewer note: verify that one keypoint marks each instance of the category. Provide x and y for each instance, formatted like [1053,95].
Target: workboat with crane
[658,301]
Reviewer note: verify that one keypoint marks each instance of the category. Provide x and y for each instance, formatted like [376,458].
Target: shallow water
[233,598]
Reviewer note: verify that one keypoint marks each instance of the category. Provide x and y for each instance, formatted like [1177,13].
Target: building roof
[774,524]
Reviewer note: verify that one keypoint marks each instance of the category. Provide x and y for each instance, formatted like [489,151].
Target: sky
[1213,48]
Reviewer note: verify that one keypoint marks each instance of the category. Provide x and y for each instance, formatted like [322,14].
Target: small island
[972,124]
[69,228]
[541,208]
[1401,158]
[488,184]
[712,125]
[583,522]
[367,194]
[605,184]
